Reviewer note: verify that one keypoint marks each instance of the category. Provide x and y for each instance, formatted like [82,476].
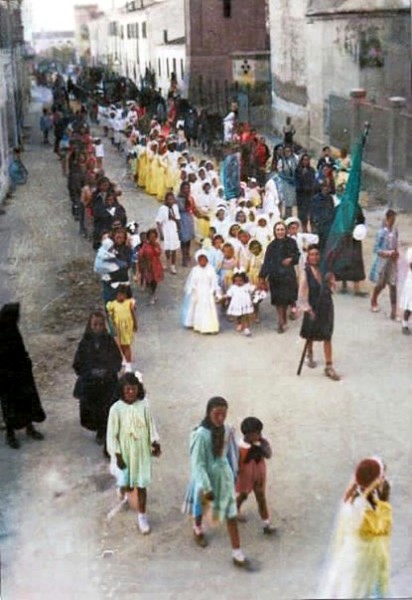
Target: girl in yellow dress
[123,322]
[360,561]
[142,167]
[151,169]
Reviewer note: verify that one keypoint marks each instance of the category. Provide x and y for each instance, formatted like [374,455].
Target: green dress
[212,474]
[130,432]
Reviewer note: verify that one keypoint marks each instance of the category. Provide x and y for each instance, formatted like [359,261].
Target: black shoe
[99,439]
[12,441]
[34,434]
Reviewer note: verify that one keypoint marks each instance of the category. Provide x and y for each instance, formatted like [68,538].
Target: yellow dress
[360,561]
[254,266]
[161,179]
[120,314]
[151,174]
[142,168]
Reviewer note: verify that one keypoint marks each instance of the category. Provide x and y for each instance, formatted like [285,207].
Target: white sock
[198,529]
[237,554]
[405,324]
[266,522]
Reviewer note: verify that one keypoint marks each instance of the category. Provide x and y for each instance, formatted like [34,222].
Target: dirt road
[55,539]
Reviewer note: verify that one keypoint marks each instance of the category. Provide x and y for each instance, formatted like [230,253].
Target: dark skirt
[96,396]
[348,261]
[20,401]
[319,329]
[283,289]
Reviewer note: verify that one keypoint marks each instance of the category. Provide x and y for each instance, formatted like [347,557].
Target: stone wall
[314,58]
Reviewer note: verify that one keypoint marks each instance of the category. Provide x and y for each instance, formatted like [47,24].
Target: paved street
[55,540]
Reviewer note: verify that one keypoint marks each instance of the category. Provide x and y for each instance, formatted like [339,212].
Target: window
[137,30]
[144,30]
[227,9]
[129,31]
[182,68]
[159,67]
[122,32]
[174,67]
[167,68]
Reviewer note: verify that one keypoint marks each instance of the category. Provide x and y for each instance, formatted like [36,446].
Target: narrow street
[55,540]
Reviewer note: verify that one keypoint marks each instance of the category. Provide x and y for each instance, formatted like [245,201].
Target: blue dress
[187,222]
[212,474]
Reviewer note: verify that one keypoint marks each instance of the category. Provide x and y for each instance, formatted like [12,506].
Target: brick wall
[211,37]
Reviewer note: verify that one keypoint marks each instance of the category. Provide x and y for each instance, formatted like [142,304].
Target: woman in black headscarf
[20,400]
[97,363]
[278,268]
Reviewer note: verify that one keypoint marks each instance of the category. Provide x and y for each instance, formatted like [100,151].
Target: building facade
[139,36]
[14,85]
[322,49]
[227,46]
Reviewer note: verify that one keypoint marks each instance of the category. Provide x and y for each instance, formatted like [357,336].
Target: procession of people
[252,228]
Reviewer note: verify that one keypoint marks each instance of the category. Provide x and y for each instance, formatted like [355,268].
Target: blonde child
[251,477]
[123,321]
[256,257]
[240,301]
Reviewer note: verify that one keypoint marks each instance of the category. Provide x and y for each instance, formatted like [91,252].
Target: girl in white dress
[406,297]
[240,305]
[201,292]
[168,224]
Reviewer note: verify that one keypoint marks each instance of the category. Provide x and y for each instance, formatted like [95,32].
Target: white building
[43,40]
[139,35]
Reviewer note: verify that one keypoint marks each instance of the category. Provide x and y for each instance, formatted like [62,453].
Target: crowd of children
[234,239]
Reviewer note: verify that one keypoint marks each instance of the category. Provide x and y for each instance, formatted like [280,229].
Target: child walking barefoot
[214,458]
[123,320]
[241,306]
[253,450]
[132,440]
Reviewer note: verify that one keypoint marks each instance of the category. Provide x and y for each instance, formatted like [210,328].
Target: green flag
[336,257]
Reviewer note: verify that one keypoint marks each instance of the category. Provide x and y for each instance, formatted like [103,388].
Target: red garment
[261,154]
[149,263]
[251,474]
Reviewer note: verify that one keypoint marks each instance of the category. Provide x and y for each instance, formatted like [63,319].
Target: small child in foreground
[253,450]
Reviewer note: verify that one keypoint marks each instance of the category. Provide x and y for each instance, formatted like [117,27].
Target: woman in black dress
[315,299]
[278,268]
[20,400]
[305,177]
[97,363]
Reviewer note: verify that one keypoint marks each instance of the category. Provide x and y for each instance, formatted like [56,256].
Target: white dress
[406,296]
[199,307]
[240,300]
[169,228]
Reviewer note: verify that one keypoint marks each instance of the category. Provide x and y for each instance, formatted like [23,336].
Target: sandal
[331,373]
